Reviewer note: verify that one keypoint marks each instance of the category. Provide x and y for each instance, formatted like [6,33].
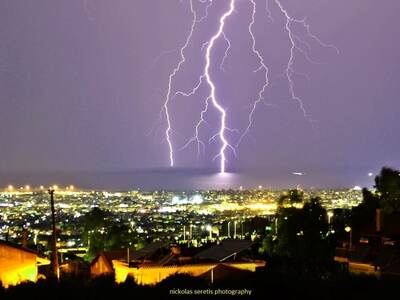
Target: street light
[191,231]
[209,229]
[330,215]
[349,230]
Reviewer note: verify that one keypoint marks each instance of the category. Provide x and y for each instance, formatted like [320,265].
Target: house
[378,250]
[103,265]
[151,265]
[359,260]
[18,264]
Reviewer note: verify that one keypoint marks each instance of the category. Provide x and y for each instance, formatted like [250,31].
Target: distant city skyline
[82,84]
[196,179]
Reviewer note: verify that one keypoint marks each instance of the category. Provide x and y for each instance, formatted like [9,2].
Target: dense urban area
[208,242]
[198,216]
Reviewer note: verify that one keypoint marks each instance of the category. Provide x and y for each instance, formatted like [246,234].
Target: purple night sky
[81,92]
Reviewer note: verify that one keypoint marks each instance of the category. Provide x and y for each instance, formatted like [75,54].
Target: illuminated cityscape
[157,215]
[178,149]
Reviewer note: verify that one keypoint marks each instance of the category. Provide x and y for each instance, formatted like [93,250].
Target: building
[378,250]
[153,264]
[103,263]
[18,264]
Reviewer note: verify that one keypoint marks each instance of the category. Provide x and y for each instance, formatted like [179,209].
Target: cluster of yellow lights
[258,206]
[262,206]
[28,188]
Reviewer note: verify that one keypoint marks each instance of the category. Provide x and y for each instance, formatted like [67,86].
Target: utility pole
[350,231]
[54,256]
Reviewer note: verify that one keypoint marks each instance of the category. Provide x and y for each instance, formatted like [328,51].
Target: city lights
[166,211]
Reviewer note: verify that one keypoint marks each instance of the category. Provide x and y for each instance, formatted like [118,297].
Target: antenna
[54,255]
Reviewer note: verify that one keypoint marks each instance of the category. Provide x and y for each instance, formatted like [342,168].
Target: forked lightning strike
[217,105]
[296,44]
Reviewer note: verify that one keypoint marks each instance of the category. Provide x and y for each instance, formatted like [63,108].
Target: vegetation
[300,239]
[291,198]
[385,197]
[387,185]
[101,232]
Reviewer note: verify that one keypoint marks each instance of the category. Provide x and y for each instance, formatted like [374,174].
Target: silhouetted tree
[291,197]
[101,232]
[95,218]
[386,197]
[302,238]
[387,183]
[95,224]
[117,237]
[256,224]
[364,214]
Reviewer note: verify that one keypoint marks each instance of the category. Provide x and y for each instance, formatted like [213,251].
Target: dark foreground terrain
[260,286]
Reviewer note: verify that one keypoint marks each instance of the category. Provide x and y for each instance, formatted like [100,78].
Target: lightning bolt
[170,82]
[213,97]
[290,71]
[289,68]
[262,67]
[297,46]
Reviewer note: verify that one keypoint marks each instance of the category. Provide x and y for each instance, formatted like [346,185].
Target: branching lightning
[290,71]
[196,137]
[170,81]
[210,2]
[297,45]
[261,67]
[228,42]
